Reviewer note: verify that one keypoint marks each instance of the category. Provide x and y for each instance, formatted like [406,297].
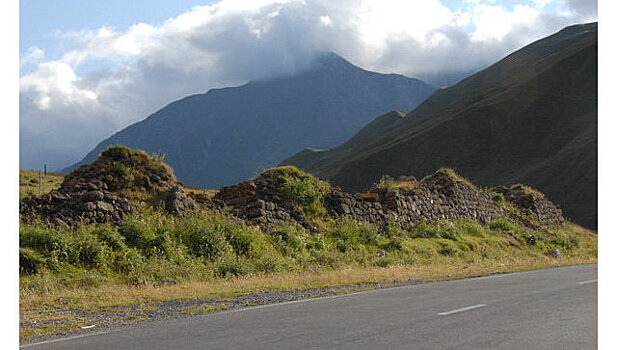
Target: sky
[91,68]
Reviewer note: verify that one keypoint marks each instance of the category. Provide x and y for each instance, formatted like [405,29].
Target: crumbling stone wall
[257,202]
[440,197]
[70,208]
[531,204]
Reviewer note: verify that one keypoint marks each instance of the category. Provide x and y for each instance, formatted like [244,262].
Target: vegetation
[527,190]
[452,174]
[152,247]
[300,188]
[153,256]
[386,181]
[29,182]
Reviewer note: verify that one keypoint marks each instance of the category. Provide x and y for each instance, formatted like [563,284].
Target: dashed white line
[461,310]
[585,282]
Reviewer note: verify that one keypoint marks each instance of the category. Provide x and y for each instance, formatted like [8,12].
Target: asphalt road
[543,309]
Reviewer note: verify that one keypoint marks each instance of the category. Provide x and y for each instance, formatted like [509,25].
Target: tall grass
[153,247]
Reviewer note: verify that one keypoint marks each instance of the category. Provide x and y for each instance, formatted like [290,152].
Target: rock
[89,206]
[104,206]
[94,196]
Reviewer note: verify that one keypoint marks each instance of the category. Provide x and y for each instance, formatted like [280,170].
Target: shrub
[291,239]
[90,252]
[502,225]
[148,233]
[127,261]
[30,262]
[110,236]
[448,250]
[231,265]
[269,263]
[43,238]
[241,240]
[440,229]
[300,188]
[203,238]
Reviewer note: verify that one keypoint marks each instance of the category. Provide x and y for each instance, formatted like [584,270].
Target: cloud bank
[111,79]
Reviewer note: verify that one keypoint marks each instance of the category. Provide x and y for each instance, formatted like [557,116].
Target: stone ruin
[439,197]
[257,201]
[96,193]
[442,196]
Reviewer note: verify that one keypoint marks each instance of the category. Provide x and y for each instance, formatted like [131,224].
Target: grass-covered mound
[283,194]
[295,186]
[119,169]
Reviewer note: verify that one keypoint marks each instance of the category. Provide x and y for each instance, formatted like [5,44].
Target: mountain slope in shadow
[530,118]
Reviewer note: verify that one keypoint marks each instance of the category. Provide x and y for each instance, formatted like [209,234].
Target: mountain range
[530,118]
[227,135]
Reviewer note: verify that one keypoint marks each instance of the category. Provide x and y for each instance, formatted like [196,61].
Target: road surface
[542,309]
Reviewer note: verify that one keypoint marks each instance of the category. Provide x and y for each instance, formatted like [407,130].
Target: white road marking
[461,309]
[585,282]
[62,339]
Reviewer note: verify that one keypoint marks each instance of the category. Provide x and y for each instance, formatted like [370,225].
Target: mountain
[530,118]
[227,135]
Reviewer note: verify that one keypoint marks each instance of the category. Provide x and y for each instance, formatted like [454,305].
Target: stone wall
[70,208]
[440,197]
[258,202]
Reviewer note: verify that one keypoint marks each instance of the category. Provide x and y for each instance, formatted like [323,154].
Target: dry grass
[116,295]
[29,182]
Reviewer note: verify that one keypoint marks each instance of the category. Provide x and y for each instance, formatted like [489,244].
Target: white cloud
[144,67]
[33,55]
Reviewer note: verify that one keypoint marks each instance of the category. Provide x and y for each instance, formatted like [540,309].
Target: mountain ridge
[531,117]
[227,135]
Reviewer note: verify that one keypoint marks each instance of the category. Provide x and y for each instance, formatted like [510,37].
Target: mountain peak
[331,60]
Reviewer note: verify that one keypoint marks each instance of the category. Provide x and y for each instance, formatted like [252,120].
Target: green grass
[302,189]
[451,173]
[390,183]
[153,247]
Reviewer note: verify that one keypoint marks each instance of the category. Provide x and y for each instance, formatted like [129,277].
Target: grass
[212,256]
[302,189]
[390,183]
[29,182]
[451,173]
[527,190]
[205,308]
[152,257]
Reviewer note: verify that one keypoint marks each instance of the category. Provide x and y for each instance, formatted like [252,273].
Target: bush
[90,252]
[205,239]
[150,233]
[30,262]
[231,265]
[127,261]
[44,239]
[449,250]
[502,225]
[269,263]
[300,188]
[110,236]
[241,240]
[293,239]
[440,229]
